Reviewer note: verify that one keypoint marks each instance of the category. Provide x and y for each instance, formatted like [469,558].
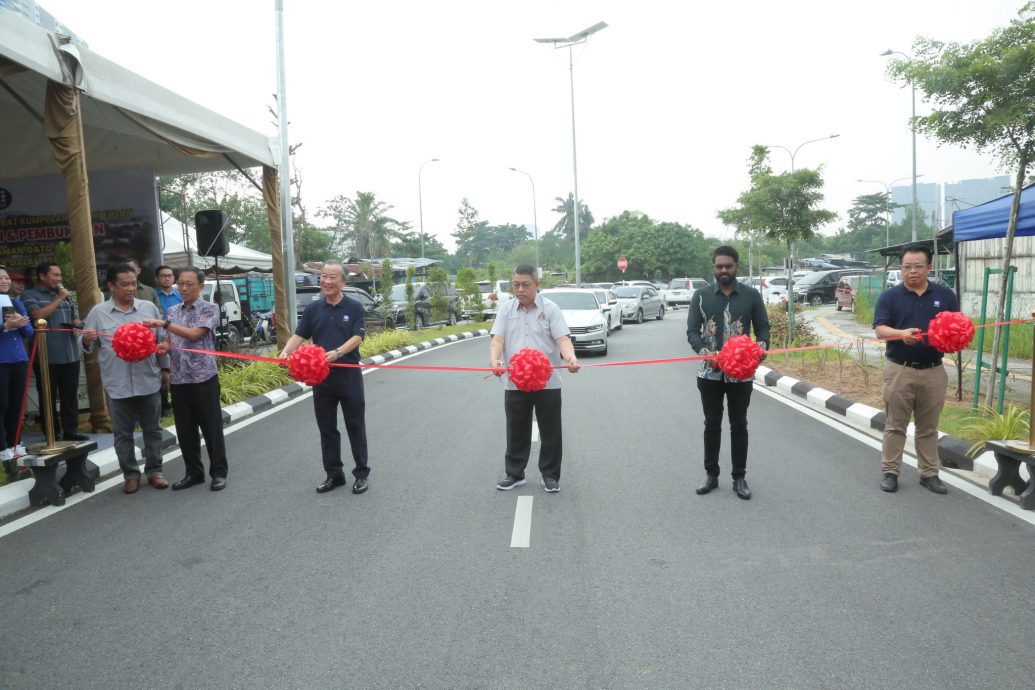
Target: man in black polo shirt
[914,378]
[335,323]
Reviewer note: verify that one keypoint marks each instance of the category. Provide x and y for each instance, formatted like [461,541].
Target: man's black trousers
[738,395]
[519,407]
[196,405]
[343,388]
[64,385]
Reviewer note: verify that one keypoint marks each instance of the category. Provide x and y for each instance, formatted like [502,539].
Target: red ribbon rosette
[308,364]
[530,370]
[134,342]
[739,357]
[950,331]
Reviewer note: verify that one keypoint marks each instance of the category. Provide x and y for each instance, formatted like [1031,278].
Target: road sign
[623,264]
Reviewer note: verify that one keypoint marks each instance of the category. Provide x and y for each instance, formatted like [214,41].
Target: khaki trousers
[912,392]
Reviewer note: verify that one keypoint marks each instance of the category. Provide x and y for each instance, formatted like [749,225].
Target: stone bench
[1008,474]
[79,472]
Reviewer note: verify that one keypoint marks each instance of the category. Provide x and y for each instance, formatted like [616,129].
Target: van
[894,278]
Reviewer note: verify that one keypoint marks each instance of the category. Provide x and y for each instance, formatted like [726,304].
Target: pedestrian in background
[718,312]
[131,387]
[914,378]
[14,369]
[336,323]
[49,300]
[531,321]
[168,295]
[144,291]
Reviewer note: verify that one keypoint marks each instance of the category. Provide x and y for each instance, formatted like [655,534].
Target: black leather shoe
[740,487]
[331,483]
[218,483]
[710,482]
[889,483]
[187,482]
[359,486]
[934,483]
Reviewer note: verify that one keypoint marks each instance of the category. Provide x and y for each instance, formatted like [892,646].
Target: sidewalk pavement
[14,497]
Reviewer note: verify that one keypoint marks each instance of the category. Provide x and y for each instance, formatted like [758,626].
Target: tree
[182,196]
[984,96]
[411,302]
[408,244]
[565,227]
[384,292]
[364,222]
[466,229]
[781,207]
[438,285]
[470,294]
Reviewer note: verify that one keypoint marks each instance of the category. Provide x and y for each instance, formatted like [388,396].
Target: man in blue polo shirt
[335,323]
[914,378]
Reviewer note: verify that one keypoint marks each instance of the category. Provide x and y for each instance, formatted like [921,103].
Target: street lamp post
[420,203]
[887,205]
[791,297]
[535,221]
[574,40]
[912,126]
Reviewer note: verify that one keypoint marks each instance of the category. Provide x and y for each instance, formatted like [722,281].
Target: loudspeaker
[212,237]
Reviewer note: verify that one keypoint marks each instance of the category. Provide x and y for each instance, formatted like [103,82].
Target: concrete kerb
[870,421]
[14,497]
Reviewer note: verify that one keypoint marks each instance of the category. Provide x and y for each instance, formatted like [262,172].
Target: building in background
[928,199]
[969,193]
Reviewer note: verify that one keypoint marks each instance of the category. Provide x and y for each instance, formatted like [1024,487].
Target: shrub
[240,381]
[804,335]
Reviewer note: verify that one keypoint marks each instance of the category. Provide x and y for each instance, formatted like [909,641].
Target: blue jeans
[125,414]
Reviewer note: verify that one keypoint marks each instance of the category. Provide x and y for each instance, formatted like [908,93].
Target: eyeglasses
[909,268]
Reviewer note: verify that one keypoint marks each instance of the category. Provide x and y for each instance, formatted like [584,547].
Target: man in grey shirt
[49,301]
[131,387]
[530,321]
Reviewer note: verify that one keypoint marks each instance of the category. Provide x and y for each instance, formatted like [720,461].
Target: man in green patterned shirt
[720,311]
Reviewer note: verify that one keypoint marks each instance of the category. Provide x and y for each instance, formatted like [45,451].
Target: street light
[420,203]
[574,40]
[887,202]
[912,126]
[535,220]
[791,297]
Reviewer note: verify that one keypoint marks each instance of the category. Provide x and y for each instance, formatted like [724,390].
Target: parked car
[494,296]
[639,302]
[422,294]
[610,308]
[894,278]
[581,311]
[773,289]
[844,296]
[680,290]
[819,287]
[307,294]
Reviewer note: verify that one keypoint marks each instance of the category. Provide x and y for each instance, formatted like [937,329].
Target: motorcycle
[265,327]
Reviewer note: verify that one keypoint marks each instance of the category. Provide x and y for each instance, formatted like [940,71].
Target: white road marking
[535,430]
[522,534]
[963,485]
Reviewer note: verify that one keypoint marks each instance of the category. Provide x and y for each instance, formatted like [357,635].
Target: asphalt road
[630,580]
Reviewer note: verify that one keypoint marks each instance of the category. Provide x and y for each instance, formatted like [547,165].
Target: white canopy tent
[239,260]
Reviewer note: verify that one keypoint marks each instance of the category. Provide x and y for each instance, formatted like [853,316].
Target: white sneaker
[7,454]
[20,450]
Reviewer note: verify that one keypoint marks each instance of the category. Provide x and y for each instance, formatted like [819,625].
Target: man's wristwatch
[167,324]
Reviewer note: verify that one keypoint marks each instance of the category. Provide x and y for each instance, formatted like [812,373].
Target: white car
[609,307]
[494,296]
[581,311]
[894,278]
[680,290]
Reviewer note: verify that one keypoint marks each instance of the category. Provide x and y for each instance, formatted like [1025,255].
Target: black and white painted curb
[15,497]
[870,420]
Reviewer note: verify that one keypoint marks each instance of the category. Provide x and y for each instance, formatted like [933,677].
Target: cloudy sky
[669,98]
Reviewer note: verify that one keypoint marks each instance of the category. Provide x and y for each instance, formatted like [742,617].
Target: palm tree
[365,221]
[565,227]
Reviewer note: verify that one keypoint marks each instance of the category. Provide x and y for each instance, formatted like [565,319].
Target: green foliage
[565,227]
[411,304]
[239,381]
[470,294]
[364,222]
[654,250]
[384,291]
[438,284]
[990,425]
[804,335]
[383,341]
[466,230]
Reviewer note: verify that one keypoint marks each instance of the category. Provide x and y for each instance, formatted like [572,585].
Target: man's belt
[913,365]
